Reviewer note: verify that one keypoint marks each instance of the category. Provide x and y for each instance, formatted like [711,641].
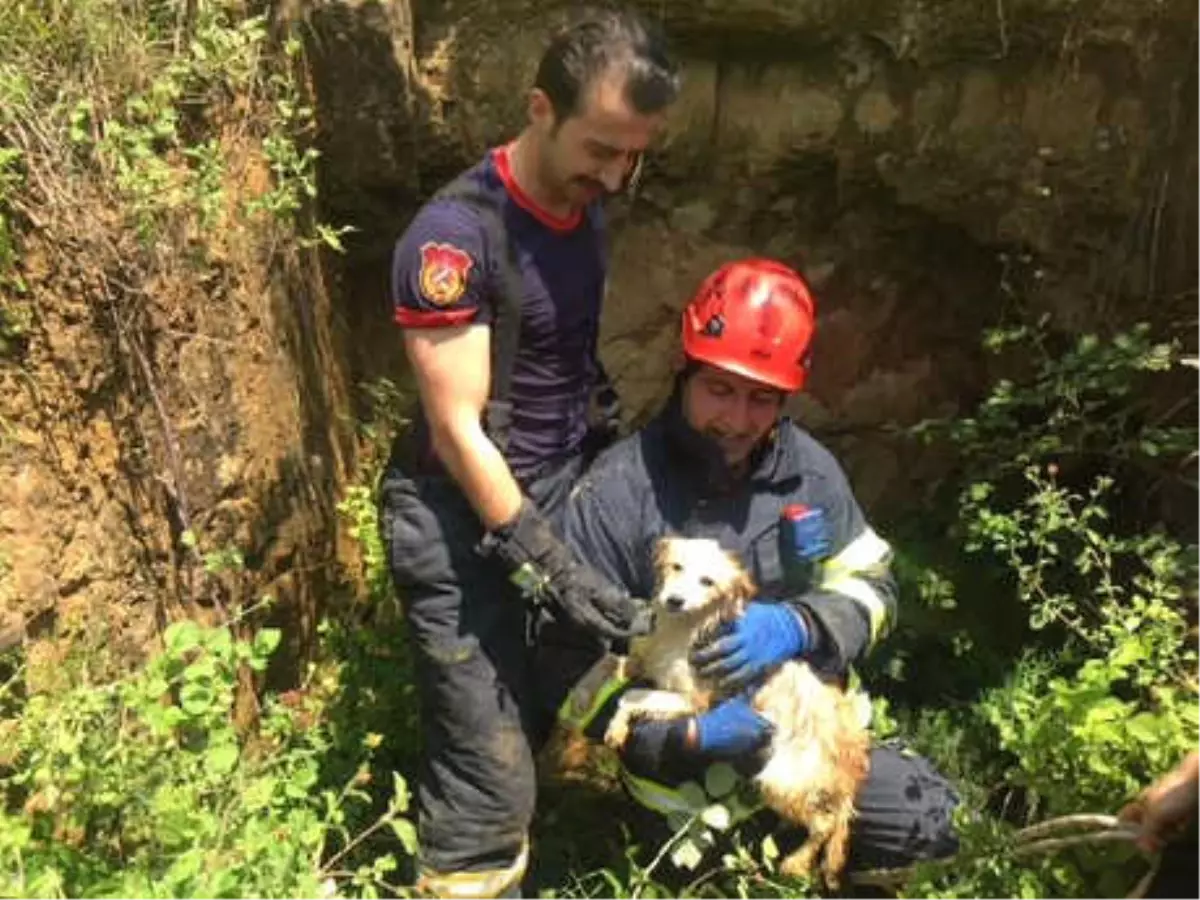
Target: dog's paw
[800,863]
[615,738]
[655,704]
[617,732]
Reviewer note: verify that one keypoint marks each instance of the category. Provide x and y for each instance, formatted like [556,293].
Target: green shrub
[144,787]
[1103,698]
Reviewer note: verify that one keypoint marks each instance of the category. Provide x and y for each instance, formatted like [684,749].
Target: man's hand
[1166,806]
[744,650]
[729,731]
[547,571]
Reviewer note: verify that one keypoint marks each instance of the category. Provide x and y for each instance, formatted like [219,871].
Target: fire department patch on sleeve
[444,271]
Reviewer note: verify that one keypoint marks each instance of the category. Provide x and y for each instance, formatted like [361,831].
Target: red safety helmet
[754,317]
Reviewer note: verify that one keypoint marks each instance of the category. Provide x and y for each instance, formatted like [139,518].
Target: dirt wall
[930,167]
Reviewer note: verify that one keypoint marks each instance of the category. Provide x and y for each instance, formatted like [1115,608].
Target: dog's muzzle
[673,603]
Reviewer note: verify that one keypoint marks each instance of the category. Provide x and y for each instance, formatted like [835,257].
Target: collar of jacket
[773,460]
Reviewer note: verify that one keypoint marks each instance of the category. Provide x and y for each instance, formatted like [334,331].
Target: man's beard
[571,190]
[744,444]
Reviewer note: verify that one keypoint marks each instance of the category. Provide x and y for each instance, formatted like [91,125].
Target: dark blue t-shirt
[444,273]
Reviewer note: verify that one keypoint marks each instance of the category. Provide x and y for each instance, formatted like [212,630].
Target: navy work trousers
[473,636]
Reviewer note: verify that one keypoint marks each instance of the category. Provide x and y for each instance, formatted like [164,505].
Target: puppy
[818,754]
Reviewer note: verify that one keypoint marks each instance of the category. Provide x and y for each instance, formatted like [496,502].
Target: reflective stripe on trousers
[483,884]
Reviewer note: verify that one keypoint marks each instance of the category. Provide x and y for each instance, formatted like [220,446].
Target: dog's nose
[674,603]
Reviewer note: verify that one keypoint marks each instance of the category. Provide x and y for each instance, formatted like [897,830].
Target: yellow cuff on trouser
[469,885]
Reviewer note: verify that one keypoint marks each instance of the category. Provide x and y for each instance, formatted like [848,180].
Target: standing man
[497,285]
[722,462]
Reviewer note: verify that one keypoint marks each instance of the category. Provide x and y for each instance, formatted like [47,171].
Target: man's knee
[905,812]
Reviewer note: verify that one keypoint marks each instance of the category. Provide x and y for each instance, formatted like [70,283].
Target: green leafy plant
[16,311]
[1112,707]
[1103,699]
[293,163]
[145,787]
[10,179]
[1093,399]
[140,116]
[383,419]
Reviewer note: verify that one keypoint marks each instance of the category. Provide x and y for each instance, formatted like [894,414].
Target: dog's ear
[738,590]
[662,554]
[742,588]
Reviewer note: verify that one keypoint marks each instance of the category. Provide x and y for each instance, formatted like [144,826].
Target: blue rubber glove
[730,730]
[675,750]
[744,650]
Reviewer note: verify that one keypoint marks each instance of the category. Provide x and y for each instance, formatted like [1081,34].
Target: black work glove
[547,571]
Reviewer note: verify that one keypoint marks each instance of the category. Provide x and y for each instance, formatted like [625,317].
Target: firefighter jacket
[669,480]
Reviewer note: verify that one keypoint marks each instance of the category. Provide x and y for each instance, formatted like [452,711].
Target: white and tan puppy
[818,754]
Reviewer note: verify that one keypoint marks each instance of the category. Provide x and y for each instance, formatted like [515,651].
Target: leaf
[720,779]
[202,671]
[266,641]
[716,816]
[693,795]
[770,850]
[1190,713]
[687,855]
[16,835]
[741,807]
[1127,653]
[399,793]
[156,686]
[1109,709]
[173,716]
[221,644]
[181,636]
[195,699]
[1143,727]
[222,758]
[677,819]
[406,833]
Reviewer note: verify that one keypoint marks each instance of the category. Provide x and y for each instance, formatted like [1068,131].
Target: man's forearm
[523,540]
[480,470]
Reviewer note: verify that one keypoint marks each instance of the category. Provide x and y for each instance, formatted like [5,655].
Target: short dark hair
[598,41]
